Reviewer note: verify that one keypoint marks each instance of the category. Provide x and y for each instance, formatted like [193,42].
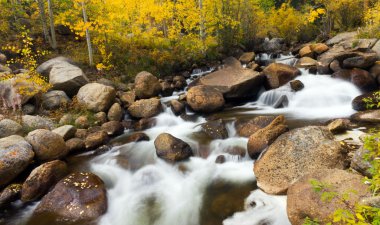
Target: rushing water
[145,190]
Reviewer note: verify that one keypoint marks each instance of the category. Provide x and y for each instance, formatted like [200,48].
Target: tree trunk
[202,34]
[43,21]
[52,29]
[88,37]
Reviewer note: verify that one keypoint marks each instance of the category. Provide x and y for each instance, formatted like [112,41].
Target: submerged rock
[79,198]
[303,201]
[171,148]
[266,136]
[205,99]
[215,129]
[296,153]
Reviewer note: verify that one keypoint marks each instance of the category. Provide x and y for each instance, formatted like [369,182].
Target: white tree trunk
[88,37]
[52,29]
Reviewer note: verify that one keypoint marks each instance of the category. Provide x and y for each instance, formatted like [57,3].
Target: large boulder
[361,162]
[361,60]
[54,100]
[325,59]
[233,81]
[63,75]
[278,74]
[319,48]
[171,148]
[47,145]
[79,198]
[304,202]
[146,85]
[264,137]
[376,48]
[96,97]
[41,179]
[145,108]
[360,78]
[9,127]
[296,153]
[15,155]
[205,99]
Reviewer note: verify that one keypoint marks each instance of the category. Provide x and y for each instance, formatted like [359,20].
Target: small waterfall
[323,97]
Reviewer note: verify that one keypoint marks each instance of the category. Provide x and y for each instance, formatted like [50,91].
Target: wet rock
[220,159]
[338,126]
[41,179]
[75,145]
[145,108]
[306,52]
[295,154]
[361,60]
[113,128]
[233,81]
[215,129]
[247,57]
[179,82]
[9,127]
[79,198]
[360,163]
[47,145]
[145,123]
[374,71]
[127,98]
[66,131]
[335,66]
[237,151]
[30,123]
[167,89]
[266,136]
[146,85]
[10,194]
[82,122]
[205,99]
[252,126]
[130,138]
[15,155]
[171,148]
[96,97]
[369,116]
[359,103]
[96,139]
[303,201]
[278,74]
[115,113]
[177,107]
[363,80]
[296,85]
[54,100]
